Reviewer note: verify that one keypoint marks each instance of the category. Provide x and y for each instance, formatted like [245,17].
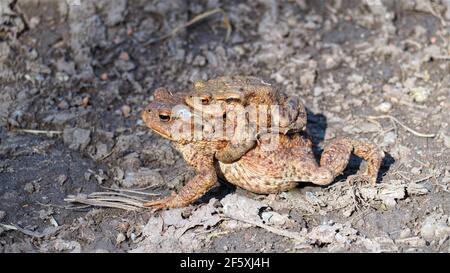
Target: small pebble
[63,105]
[29,187]
[130,31]
[104,77]
[85,101]
[199,60]
[61,179]
[34,22]
[124,56]
[120,238]
[126,110]
[405,233]
[384,107]
[389,138]
[419,94]
[2,215]
[416,171]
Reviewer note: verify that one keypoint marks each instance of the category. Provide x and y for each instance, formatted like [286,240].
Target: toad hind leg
[336,156]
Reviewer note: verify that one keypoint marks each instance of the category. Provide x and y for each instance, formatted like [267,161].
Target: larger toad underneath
[259,170]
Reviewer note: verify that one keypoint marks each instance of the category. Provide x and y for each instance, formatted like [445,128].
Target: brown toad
[219,96]
[232,96]
[260,170]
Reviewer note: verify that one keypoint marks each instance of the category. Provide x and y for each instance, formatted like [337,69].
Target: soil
[75,75]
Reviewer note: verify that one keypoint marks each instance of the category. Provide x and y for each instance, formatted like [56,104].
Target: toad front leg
[335,158]
[205,179]
[245,140]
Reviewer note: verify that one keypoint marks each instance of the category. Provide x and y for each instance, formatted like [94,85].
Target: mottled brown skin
[259,170]
[234,148]
[230,94]
[227,91]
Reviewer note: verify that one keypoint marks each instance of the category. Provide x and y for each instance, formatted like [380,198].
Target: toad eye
[233,100]
[164,117]
[205,100]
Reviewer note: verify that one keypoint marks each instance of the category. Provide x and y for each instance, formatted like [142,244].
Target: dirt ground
[75,75]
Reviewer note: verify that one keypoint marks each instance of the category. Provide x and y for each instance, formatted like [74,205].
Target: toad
[227,97]
[260,170]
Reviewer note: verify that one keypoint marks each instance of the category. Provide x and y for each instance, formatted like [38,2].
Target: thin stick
[25,231]
[94,202]
[195,20]
[119,200]
[96,194]
[137,191]
[284,233]
[39,132]
[423,179]
[62,207]
[403,125]
[442,57]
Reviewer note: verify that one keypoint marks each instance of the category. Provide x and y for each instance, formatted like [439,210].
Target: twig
[84,199]
[193,21]
[136,191]
[442,57]
[106,155]
[115,194]
[423,179]
[26,231]
[38,132]
[284,233]
[62,207]
[403,125]
[120,200]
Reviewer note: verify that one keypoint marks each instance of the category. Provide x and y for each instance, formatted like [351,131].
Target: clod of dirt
[141,178]
[60,245]
[32,187]
[240,207]
[77,138]
[447,6]
[384,107]
[170,232]
[415,241]
[380,244]
[341,234]
[120,238]
[390,193]
[389,139]
[113,12]
[123,143]
[447,141]
[435,227]
[274,218]
[11,23]
[2,215]
[420,94]
[4,51]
